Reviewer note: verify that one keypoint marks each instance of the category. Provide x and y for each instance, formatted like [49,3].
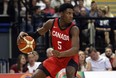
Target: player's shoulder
[50,21]
[74,29]
[48,24]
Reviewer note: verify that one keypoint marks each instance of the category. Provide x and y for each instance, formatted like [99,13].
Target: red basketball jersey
[61,40]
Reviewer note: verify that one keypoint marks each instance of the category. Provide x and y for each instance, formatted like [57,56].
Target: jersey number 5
[59,45]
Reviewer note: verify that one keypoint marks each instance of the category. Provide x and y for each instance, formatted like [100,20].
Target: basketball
[26,44]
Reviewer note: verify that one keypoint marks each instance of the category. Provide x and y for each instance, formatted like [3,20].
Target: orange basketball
[26,44]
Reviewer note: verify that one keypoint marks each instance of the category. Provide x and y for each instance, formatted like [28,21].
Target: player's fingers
[55,53]
[23,34]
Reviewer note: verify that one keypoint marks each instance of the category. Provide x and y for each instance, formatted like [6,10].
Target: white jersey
[33,68]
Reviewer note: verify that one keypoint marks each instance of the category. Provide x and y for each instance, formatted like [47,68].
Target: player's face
[67,15]
[23,60]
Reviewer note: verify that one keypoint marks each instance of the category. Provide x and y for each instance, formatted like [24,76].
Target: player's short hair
[65,6]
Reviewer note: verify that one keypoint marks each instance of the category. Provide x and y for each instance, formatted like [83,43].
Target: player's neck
[63,24]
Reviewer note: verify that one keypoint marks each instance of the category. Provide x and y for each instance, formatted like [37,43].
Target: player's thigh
[39,74]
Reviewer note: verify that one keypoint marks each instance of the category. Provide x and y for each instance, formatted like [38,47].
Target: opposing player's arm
[75,43]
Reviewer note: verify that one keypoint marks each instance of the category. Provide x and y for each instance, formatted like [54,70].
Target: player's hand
[49,52]
[56,53]
[21,35]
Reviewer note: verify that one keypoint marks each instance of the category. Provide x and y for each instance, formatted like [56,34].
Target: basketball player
[65,41]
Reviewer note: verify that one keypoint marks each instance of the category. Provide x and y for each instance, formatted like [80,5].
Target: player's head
[66,11]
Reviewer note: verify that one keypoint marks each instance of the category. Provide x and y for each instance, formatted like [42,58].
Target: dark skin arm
[75,45]
[46,27]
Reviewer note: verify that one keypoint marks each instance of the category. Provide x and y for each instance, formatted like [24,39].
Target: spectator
[56,3]
[73,2]
[41,4]
[48,11]
[86,51]
[36,55]
[3,6]
[108,12]
[102,29]
[67,1]
[37,18]
[94,9]
[108,53]
[115,38]
[56,14]
[82,62]
[98,62]
[111,56]
[114,62]
[32,4]
[13,10]
[84,31]
[87,4]
[32,64]
[81,5]
[76,11]
[20,66]
[26,26]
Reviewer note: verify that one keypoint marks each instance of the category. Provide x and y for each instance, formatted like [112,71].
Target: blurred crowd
[89,60]
[34,13]
[37,11]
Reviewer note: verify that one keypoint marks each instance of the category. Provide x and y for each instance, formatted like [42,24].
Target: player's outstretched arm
[47,26]
[40,31]
[75,43]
